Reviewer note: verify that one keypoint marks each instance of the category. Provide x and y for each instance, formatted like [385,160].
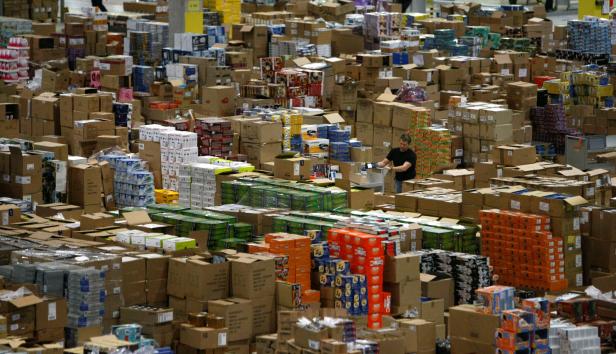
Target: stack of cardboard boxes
[401,279]
[260,141]
[22,175]
[85,117]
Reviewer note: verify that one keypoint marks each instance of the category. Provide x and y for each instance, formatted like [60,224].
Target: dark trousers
[405,5]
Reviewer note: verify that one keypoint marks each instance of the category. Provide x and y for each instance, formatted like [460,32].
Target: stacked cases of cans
[215,136]
[86,297]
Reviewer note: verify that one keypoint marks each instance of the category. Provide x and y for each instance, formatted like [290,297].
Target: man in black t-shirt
[404,161]
[99,4]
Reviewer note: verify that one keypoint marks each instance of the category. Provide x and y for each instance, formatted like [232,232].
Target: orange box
[254,247]
[311,296]
[375,321]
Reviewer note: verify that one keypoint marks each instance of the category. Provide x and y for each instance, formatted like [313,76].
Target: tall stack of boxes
[483,126]
[86,187]
[522,250]
[22,175]
[522,96]
[401,279]
[260,141]
[602,240]
[84,117]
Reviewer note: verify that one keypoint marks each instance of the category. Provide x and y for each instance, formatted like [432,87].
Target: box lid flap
[137,217]
[386,96]
[333,118]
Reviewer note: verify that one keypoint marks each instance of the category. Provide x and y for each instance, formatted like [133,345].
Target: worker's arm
[403,167]
[383,163]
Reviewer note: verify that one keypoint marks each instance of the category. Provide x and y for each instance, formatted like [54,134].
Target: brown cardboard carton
[133,269]
[602,251]
[382,115]
[514,155]
[361,199]
[156,291]
[176,280]
[469,323]
[203,337]
[296,169]
[219,100]
[307,338]
[365,132]
[419,335]
[382,136]
[60,151]
[257,153]
[432,310]
[150,152]
[146,316]
[469,346]
[364,111]
[91,129]
[252,276]
[134,293]
[404,295]
[237,314]
[262,132]
[9,214]
[95,220]
[51,313]
[401,268]
[438,287]
[45,107]
[213,277]
[86,103]
[156,266]
[85,185]
[263,315]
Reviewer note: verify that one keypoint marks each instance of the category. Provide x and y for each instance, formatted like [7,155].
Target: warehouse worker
[99,4]
[404,161]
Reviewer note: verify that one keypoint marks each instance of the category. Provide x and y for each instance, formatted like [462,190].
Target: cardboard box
[308,338]
[86,187]
[364,111]
[365,132]
[401,268]
[9,214]
[514,155]
[237,314]
[213,277]
[258,154]
[219,100]
[203,337]
[361,199]
[134,293]
[419,335]
[262,132]
[51,313]
[263,315]
[95,220]
[133,269]
[383,112]
[252,276]
[468,322]
[432,310]
[405,295]
[156,266]
[146,315]
[296,168]
[60,151]
[438,287]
